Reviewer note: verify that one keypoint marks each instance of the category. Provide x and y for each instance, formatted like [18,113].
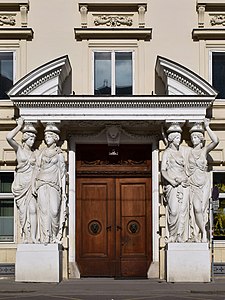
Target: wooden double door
[113,225]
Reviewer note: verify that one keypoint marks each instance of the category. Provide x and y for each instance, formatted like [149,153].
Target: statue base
[39,263]
[188,262]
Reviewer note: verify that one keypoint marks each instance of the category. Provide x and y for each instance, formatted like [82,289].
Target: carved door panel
[95,235]
[113,226]
[134,229]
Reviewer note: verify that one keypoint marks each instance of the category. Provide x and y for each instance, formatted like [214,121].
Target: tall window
[219,206]
[6,73]
[218,73]
[113,73]
[6,207]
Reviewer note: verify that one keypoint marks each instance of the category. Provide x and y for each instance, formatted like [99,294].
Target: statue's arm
[212,135]
[10,136]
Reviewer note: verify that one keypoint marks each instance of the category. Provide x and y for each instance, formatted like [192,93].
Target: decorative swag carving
[113,21]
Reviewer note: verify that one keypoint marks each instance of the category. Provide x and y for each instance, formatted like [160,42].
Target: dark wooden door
[113,226]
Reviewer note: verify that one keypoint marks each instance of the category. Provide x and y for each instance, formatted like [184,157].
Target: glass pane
[219,180]
[218,73]
[123,72]
[6,220]
[6,73]
[219,221]
[6,180]
[102,73]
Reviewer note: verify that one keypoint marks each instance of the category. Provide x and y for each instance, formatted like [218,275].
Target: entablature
[56,109]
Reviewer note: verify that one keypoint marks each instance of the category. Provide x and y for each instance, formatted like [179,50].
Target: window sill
[16,33]
[113,33]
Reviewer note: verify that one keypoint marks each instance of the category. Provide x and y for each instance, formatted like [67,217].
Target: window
[219,206]
[6,73]
[113,73]
[6,207]
[218,73]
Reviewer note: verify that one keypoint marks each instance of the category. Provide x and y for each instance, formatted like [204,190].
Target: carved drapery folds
[39,184]
[186,183]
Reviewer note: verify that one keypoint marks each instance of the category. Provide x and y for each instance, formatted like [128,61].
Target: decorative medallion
[133,227]
[113,20]
[94,227]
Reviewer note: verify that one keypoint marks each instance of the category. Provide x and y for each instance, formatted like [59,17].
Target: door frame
[81,139]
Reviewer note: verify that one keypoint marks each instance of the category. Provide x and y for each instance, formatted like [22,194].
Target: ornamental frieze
[7,20]
[113,20]
[218,20]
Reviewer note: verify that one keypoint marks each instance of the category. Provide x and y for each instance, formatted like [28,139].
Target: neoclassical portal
[39,185]
[187,183]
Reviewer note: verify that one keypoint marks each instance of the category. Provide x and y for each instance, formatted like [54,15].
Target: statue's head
[197,134]
[29,134]
[174,134]
[51,133]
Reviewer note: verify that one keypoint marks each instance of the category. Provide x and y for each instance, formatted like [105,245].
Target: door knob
[118,228]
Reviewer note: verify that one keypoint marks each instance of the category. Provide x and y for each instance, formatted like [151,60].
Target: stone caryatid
[50,188]
[22,187]
[176,187]
[199,179]
[187,183]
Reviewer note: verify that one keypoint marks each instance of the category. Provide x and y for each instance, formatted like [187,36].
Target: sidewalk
[111,289]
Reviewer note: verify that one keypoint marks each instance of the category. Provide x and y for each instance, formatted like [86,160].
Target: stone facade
[53,46]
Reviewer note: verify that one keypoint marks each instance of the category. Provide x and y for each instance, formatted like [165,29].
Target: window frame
[217,238]
[13,51]
[8,196]
[113,68]
[211,51]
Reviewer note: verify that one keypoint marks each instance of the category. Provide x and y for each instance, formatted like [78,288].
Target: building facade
[110,75]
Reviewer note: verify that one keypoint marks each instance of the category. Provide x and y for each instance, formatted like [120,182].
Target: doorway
[113,211]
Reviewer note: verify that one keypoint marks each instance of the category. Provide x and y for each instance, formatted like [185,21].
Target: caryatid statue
[176,186]
[199,179]
[51,188]
[22,187]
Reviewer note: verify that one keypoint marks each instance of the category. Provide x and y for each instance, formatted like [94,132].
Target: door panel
[133,199]
[95,235]
[113,226]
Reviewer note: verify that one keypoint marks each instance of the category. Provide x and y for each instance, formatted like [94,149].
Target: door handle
[118,228]
[108,228]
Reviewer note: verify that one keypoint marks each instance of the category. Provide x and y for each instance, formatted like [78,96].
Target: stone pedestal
[39,263]
[188,262]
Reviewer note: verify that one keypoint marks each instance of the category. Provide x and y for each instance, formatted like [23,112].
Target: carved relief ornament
[113,20]
[7,20]
[218,20]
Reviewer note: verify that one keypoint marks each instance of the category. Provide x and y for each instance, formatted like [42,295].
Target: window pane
[6,220]
[219,181]
[102,73]
[6,179]
[218,73]
[6,73]
[123,73]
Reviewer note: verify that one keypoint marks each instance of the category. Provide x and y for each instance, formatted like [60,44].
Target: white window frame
[113,84]
[4,196]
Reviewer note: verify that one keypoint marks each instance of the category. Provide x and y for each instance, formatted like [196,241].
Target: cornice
[208,34]
[113,33]
[112,102]
[16,33]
